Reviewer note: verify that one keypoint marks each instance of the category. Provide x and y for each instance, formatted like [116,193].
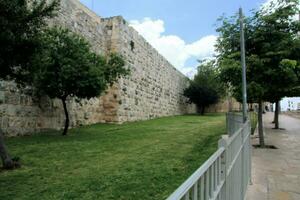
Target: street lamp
[243,61]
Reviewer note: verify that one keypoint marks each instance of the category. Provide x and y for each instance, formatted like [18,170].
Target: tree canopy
[66,67]
[271,37]
[20,24]
[205,89]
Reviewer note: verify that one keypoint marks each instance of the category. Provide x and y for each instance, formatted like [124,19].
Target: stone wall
[224,106]
[21,114]
[76,17]
[153,89]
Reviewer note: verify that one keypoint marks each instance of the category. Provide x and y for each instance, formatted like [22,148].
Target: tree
[283,83]
[204,90]
[277,32]
[19,24]
[66,67]
[265,50]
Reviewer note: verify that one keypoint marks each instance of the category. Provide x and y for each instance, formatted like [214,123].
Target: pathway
[276,172]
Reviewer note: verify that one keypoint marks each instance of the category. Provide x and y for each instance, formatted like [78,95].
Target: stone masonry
[153,89]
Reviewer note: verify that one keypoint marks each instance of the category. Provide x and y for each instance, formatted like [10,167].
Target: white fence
[225,175]
[234,121]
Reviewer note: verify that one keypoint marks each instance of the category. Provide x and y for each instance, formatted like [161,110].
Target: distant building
[290,104]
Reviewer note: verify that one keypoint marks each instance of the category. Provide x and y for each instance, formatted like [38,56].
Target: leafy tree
[19,24]
[283,83]
[270,38]
[66,67]
[230,67]
[204,90]
[277,32]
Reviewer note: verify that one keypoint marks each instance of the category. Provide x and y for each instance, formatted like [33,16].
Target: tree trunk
[251,107]
[273,122]
[67,121]
[202,110]
[6,159]
[260,125]
[276,115]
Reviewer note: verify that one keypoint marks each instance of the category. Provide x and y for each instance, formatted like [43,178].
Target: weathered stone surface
[153,89]
[224,106]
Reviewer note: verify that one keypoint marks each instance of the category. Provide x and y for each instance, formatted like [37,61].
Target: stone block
[2,97]
[12,98]
[4,122]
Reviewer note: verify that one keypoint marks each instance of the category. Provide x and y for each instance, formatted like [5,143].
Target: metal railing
[225,175]
[234,121]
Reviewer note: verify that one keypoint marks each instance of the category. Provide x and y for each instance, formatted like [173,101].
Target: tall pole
[243,61]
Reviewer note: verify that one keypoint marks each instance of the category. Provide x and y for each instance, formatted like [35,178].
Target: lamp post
[243,61]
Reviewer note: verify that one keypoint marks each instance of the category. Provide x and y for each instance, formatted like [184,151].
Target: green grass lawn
[138,161]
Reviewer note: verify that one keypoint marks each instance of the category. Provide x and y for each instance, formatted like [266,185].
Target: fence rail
[226,174]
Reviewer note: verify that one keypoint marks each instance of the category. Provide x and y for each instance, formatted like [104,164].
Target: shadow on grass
[201,152]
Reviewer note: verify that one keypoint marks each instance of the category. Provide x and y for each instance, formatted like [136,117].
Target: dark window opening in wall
[131,45]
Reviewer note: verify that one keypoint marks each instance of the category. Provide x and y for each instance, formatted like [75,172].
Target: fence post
[250,153]
[227,123]
[224,166]
[243,158]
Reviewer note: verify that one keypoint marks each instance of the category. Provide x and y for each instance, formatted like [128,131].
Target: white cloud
[172,47]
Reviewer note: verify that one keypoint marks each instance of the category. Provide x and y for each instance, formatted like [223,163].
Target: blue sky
[183,31]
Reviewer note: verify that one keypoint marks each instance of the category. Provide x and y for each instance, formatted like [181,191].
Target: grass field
[134,161]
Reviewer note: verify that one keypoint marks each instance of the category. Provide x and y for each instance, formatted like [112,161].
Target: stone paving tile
[276,172]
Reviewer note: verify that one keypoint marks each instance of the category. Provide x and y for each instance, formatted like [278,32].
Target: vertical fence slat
[202,188]
[220,169]
[207,185]
[187,196]
[195,191]
[216,174]
[211,181]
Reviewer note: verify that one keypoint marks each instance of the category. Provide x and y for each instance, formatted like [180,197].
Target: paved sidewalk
[276,172]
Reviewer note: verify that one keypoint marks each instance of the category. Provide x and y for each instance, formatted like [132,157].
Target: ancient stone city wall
[153,89]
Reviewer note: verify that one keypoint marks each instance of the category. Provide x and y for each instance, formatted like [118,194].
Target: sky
[182,31]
